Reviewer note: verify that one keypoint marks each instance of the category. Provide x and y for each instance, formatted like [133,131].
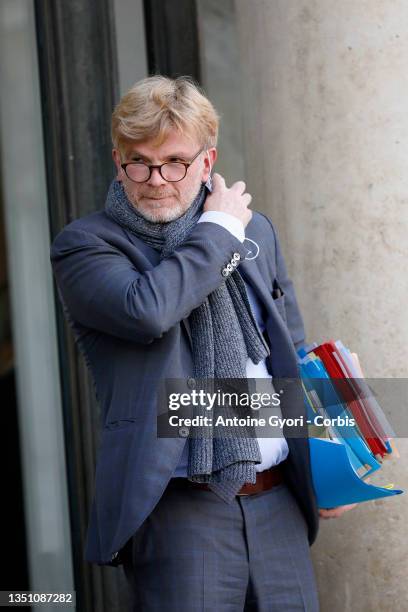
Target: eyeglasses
[139,172]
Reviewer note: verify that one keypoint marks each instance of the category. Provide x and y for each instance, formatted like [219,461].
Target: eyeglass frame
[159,167]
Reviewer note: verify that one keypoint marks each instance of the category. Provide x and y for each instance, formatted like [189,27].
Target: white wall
[325,93]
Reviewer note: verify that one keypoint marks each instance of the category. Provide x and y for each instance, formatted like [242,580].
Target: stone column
[325,93]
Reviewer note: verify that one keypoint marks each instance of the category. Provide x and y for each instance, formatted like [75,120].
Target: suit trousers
[195,552]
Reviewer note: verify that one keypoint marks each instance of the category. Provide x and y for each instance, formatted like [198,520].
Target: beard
[158,211]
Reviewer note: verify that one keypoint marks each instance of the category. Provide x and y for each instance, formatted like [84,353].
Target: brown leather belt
[264,481]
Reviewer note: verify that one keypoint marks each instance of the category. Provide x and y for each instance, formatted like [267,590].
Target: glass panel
[32,304]
[130,42]
[221,79]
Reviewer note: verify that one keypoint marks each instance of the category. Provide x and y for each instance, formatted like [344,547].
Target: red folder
[369,430]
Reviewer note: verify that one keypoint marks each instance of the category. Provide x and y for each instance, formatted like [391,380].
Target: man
[159,286]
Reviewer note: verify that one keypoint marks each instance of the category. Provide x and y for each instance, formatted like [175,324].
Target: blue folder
[336,464]
[359,454]
[334,480]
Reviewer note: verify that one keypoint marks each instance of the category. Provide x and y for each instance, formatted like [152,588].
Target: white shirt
[273,450]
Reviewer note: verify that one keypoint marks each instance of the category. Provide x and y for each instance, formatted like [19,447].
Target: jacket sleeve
[102,290]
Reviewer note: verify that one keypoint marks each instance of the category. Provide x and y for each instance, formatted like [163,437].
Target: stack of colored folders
[343,455]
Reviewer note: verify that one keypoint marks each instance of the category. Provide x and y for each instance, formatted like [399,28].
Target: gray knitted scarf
[224,333]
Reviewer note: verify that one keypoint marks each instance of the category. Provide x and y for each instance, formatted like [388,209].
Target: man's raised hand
[232,200]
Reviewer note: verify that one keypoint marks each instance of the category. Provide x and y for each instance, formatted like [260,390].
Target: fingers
[239,187]
[328,513]
[218,181]
[349,507]
[231,200]
[247,199]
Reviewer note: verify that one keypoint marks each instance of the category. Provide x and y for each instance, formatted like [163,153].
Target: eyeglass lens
[140,172]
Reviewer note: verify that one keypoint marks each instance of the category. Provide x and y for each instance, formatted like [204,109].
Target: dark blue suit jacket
[128,311]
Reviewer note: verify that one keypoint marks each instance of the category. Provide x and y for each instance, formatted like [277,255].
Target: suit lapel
[186,326]
[250,273]
[277,329]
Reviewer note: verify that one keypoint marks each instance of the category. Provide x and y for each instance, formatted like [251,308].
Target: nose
[156,178]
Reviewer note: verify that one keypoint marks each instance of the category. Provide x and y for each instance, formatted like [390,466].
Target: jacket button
[230,268]
[236,256]
[234,263]
[183,432]
[191,382]
[225,272]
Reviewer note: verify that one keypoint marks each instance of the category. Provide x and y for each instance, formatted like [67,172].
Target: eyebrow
[136,154]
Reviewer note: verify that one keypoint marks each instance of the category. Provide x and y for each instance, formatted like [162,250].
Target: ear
[210,156]
[118,161]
